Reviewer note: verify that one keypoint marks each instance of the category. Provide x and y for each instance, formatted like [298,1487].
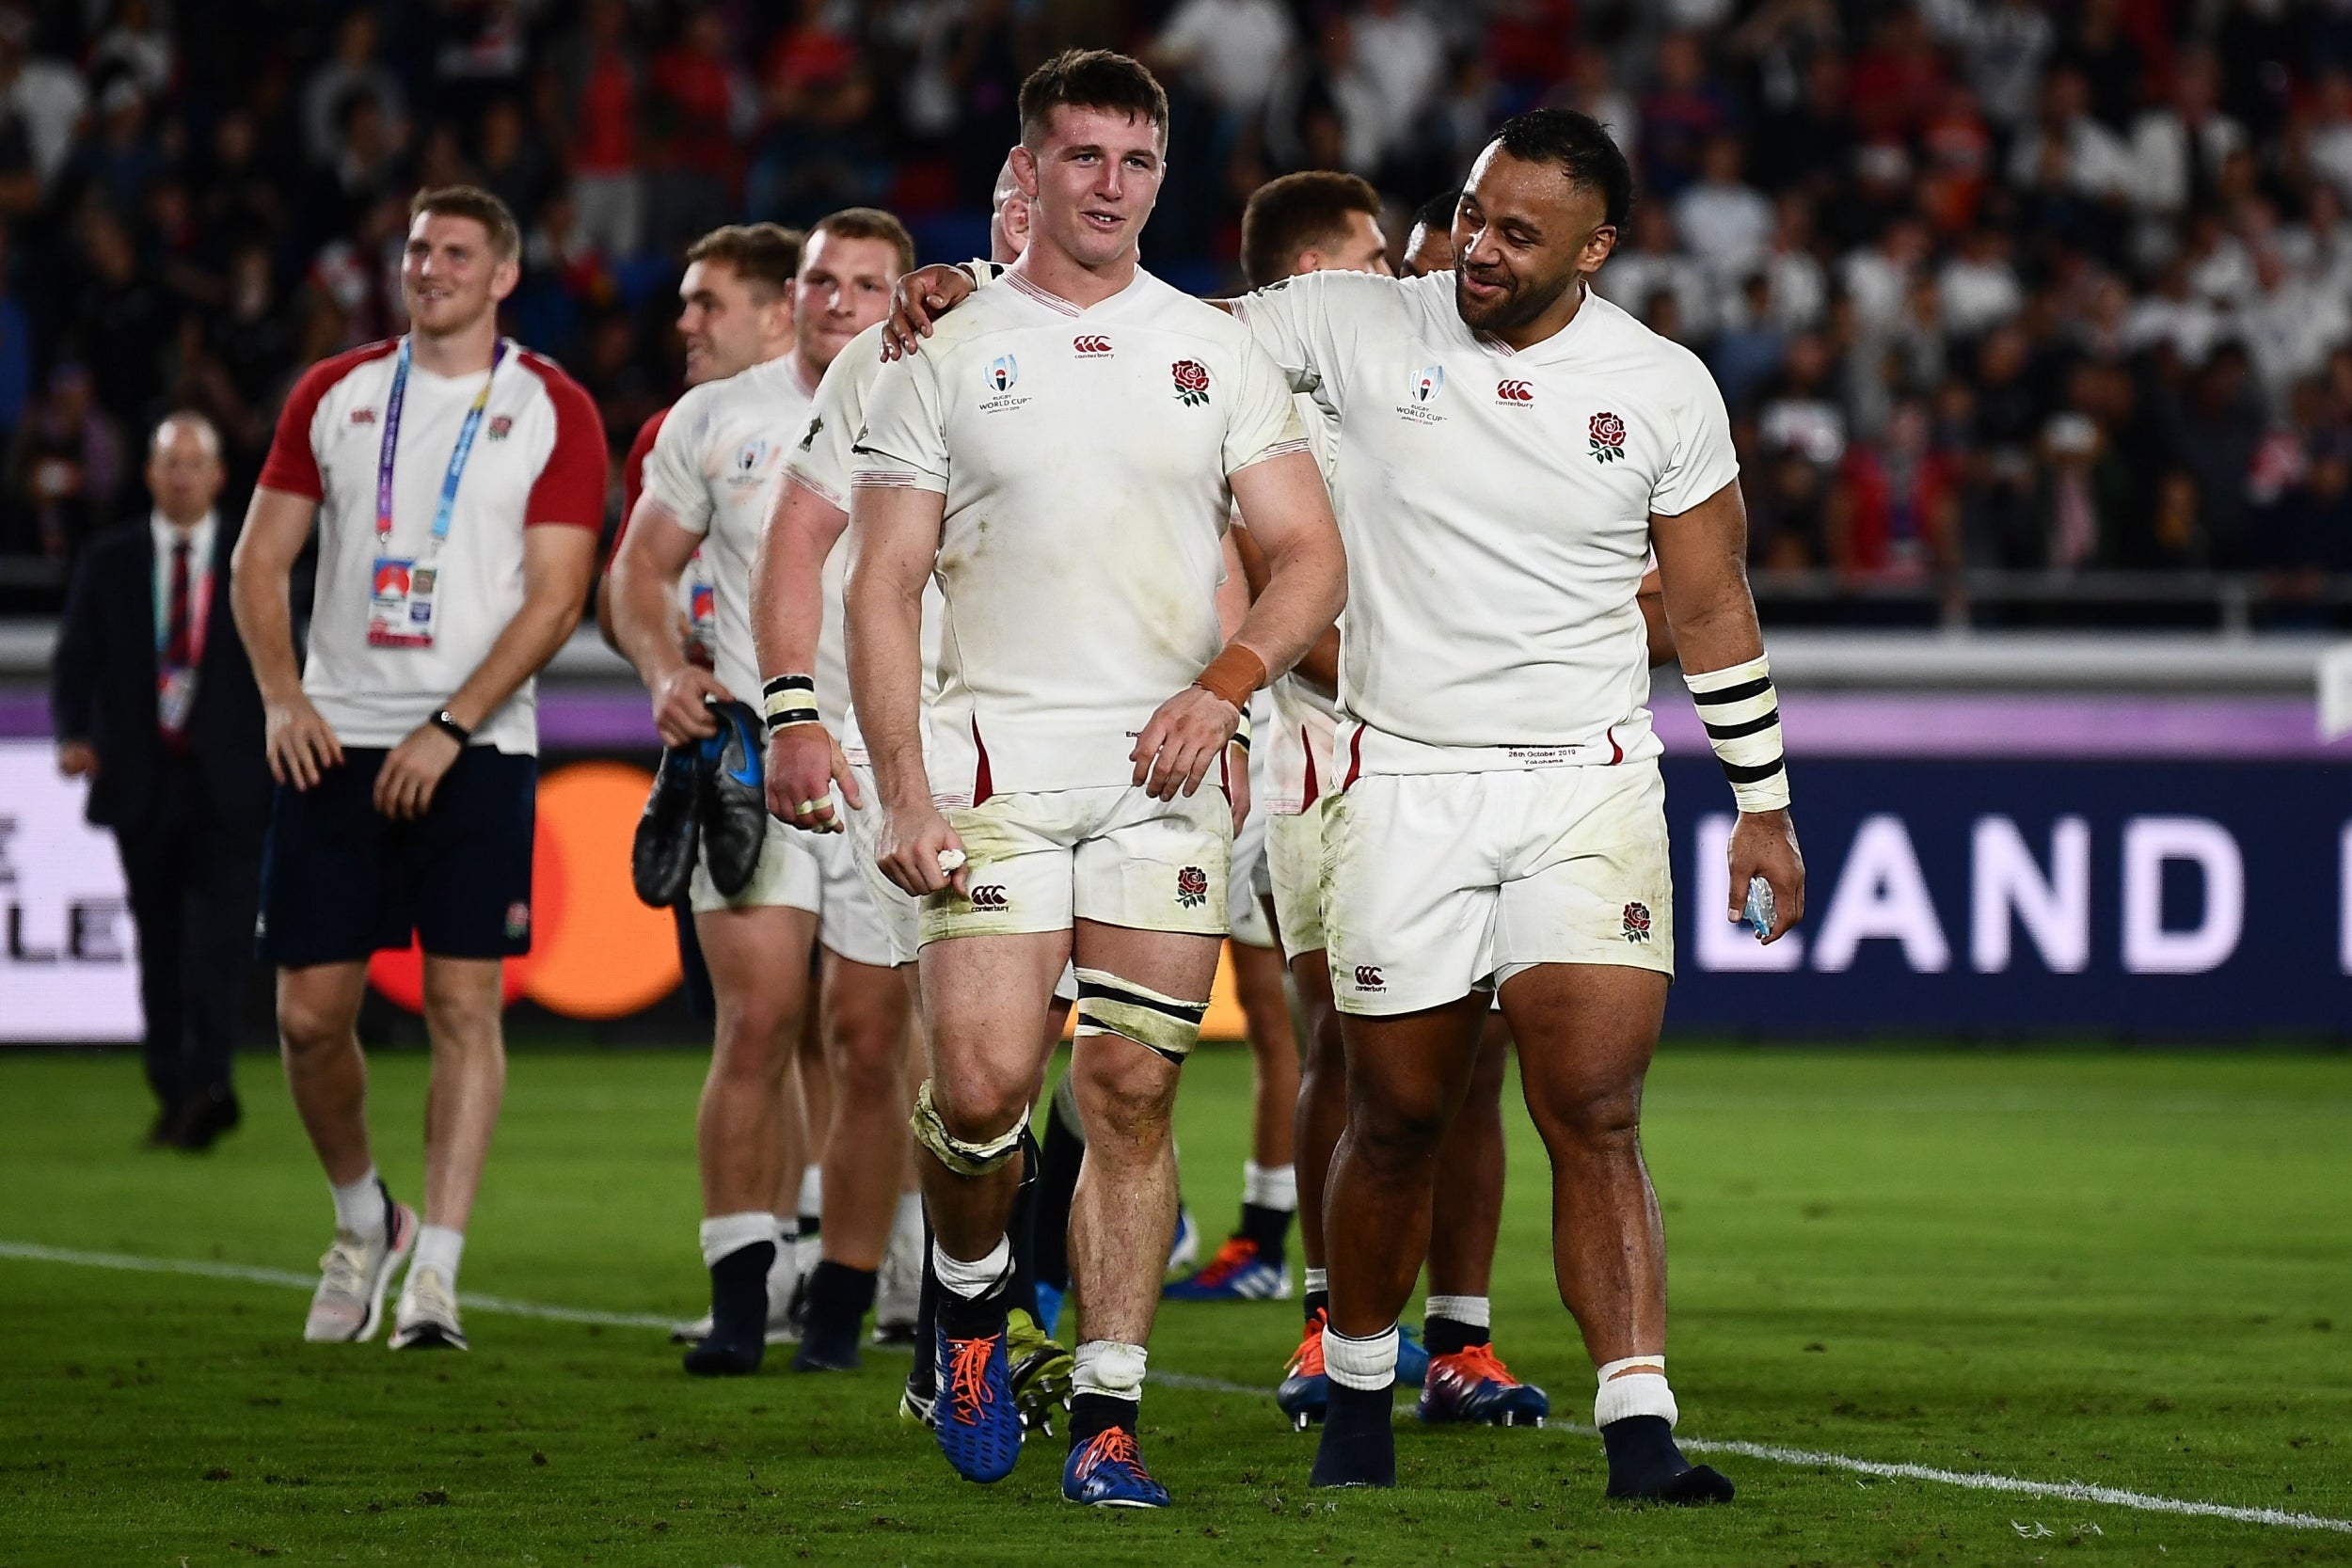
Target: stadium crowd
[1987,283]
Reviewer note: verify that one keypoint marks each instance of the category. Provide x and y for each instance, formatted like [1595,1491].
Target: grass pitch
[2126,1270]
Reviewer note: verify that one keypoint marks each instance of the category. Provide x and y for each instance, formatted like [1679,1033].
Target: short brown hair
[473,201]
[765,255]
[869,223]
[1297,214]
[1089,79]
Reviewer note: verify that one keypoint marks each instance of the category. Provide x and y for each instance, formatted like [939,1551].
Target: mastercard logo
[596,952]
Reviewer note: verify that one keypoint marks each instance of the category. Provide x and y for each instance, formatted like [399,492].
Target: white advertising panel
[68,957]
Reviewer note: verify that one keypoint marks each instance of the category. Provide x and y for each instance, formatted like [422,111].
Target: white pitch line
[1973,1481]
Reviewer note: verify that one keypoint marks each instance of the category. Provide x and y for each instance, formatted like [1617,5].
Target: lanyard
[392,407]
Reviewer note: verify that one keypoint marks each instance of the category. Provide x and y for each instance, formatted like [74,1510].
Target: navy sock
[1451,1336]
[1644,1461]
[1268,1228]
[738,1313]
[1093,1414]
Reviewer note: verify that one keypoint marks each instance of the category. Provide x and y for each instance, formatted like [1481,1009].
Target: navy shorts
[341,881]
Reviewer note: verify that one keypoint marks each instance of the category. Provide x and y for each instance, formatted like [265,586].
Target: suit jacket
[103,688]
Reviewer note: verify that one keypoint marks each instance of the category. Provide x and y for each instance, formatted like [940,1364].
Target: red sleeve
[292,464]
[570,488]
[633,469]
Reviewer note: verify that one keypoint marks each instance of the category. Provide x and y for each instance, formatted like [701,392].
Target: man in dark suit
[155,705]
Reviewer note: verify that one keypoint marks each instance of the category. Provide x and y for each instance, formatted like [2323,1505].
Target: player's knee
[865,1050]
[1125,1093]
[752,1047]
[1593,1119]
[971,1126]
[306,1026]
[1395,1125]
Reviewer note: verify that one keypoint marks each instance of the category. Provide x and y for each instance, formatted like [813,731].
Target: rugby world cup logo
[1003,371]
[1428,382]
[392,579]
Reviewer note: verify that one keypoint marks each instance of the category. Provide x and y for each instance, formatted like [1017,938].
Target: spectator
[1639,272]
[1800,288]
[120,321]
[1979,286]
[2215,433]
[119,160]
[2180,144]
[1683,112]
[155,705]
[2003,46]
[1751,347]
[512,167]
[16,347]
[65,466]
[2099,48]
[1399,51]
[2097,162]
[139,46]
[1877,278]
[1894,81]
[1726,222]
[2328,141]
[597,75]
[818,93]
[352,69]
[703,105]
[1227,52]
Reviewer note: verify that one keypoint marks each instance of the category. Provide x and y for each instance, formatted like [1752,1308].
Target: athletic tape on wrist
[1742,712]
[1233,674]
[1165,1024]
[981,273]
[964,1158]
[789,700]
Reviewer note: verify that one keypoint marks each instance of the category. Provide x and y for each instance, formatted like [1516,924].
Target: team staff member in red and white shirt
[457,483]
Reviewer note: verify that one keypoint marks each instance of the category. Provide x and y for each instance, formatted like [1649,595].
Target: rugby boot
[348,1305]
[734,796]
[978,1425]
[1473,1384]
[1306,1388]
[1237,1273]
[669,829]
[1041,1372]
[1105,1471]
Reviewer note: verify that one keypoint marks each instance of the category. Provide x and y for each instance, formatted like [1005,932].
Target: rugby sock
[1635,1411]
[972,1296]
[1269,1202]
[1357,1449]
[1024,1234]
[1058,1160]
[1450,1324]
[1318,1295]
[438,1249]
[838,1297]
[739,1249]
[923,1378]
[362,1208]
[1107,1388]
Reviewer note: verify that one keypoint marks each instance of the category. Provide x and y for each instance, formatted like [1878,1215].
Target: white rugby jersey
[1496,510]
[1297,745]
[539,457]
[1084,455]
[715,467]
[820,460]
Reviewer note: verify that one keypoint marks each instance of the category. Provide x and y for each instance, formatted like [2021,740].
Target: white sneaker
[426,1318]
[348,1305]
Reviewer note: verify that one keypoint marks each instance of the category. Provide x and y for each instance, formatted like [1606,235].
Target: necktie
[177,675]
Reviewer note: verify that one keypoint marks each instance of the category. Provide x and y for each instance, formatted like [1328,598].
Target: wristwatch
[446,724]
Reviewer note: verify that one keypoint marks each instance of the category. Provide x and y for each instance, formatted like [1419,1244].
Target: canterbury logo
[1368,977]
[1516,391]
[989,895]
[1092,345]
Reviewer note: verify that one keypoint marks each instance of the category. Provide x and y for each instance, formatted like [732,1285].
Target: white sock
[973,1280]
[813,1190]
[1107,1367]
[359,1207]
[723,1234]
[1369,1363]
[1637,1393]
[1318,1279]
[1270,1186]
[438,1249]
[1474,1310]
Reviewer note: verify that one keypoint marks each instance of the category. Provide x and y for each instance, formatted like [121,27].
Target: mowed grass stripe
[2082,1492]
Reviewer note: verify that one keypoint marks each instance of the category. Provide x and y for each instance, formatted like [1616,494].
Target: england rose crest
[1192,381]
[1608,440]
[1192,887]
[1637,923]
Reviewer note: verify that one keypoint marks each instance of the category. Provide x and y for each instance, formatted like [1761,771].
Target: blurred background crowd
[2026,313]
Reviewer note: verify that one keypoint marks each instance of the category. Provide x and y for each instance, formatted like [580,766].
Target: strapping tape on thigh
[1110,1005]
[964,1158]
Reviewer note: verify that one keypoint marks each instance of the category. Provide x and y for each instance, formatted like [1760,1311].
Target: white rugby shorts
[854,922]
[892,912]
[1244,913]
[1438,884]
[1038,861]
[790,876]
[1293,860]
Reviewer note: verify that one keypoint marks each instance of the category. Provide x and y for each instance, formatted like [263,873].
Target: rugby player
[720,331]
[1511,447]
[713,477]
[457,487]
[1063,459]
[823,786]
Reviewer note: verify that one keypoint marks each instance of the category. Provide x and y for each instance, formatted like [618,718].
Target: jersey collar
[1552,349]
[1021,284]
